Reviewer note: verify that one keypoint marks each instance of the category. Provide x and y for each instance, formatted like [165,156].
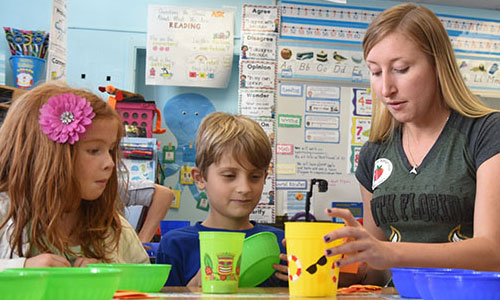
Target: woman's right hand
[362,246]
[46,260]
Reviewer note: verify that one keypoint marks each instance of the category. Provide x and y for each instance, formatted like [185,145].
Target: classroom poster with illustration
[189,46]
[257,87]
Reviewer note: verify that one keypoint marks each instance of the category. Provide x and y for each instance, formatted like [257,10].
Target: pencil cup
[220,258]
[311,273]
[26,70]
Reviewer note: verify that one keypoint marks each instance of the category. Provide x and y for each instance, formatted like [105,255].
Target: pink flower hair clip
[66,117]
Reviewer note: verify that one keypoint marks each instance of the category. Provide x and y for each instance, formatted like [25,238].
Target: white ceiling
[483,4]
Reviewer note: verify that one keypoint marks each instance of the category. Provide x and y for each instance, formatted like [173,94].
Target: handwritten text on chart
[316,160]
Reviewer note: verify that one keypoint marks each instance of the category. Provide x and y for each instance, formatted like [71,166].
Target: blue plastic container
[422,283]
[165,226]
[404,282]
[26,70]
[476,285]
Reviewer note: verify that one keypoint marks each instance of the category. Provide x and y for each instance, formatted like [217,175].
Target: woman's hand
[281,270]
[361,246]
[46,260]
[83,261]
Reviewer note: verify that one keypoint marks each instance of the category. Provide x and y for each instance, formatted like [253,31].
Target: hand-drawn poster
[189,46]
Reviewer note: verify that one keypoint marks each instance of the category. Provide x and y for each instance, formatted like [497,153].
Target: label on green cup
[220,257]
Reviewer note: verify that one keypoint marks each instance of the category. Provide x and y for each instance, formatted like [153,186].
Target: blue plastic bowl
[422,283]
[475,285]
[404,282]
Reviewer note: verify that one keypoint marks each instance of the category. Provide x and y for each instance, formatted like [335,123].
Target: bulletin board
[316,139]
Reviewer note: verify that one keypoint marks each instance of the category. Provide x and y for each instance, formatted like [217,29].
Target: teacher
[430,172]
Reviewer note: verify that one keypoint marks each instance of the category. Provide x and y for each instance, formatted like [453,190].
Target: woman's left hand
[361,246]
[83,261]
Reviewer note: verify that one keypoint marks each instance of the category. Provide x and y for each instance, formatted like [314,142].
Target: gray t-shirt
[436,204]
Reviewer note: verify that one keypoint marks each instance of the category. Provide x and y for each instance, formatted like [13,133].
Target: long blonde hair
[419,24]
[39,176]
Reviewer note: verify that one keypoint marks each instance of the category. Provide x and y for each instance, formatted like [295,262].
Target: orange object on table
[359,288]
[121,294]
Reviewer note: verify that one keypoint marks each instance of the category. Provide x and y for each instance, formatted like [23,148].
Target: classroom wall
[108,38]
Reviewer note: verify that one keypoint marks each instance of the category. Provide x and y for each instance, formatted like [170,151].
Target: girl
[59,203]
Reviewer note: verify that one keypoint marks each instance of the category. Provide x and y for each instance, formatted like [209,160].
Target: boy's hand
[46,260]
[83,261]
[281,270]
[196,280]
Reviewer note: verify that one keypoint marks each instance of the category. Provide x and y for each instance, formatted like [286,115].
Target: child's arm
[160,203]
[46,260]
[154,196]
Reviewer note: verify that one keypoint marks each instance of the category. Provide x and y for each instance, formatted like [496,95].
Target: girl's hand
[362,246]
[281,270]
[83,261]
[46,260]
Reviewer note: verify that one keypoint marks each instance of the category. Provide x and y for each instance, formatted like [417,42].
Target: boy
[232,158]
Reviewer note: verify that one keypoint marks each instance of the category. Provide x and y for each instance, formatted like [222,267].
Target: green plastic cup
[220,258]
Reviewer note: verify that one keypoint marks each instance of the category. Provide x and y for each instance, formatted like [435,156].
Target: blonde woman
[429,172]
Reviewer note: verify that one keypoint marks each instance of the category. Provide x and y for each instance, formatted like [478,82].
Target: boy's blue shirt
[181,248]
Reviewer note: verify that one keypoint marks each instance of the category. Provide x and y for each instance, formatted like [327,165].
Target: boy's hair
[421,25]
[220,133]
[39,176]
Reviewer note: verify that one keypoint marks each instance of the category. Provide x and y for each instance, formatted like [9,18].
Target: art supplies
[28,49]
[27,42]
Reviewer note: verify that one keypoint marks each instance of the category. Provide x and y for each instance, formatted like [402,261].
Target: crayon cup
[26,70]
[220,257]
[311,273]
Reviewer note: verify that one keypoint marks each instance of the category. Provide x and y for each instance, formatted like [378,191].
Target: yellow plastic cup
[220,258]
[310,272]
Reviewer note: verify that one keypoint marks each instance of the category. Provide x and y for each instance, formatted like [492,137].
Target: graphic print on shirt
[395,235]
[433,211]
[455,235]
[382,169]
